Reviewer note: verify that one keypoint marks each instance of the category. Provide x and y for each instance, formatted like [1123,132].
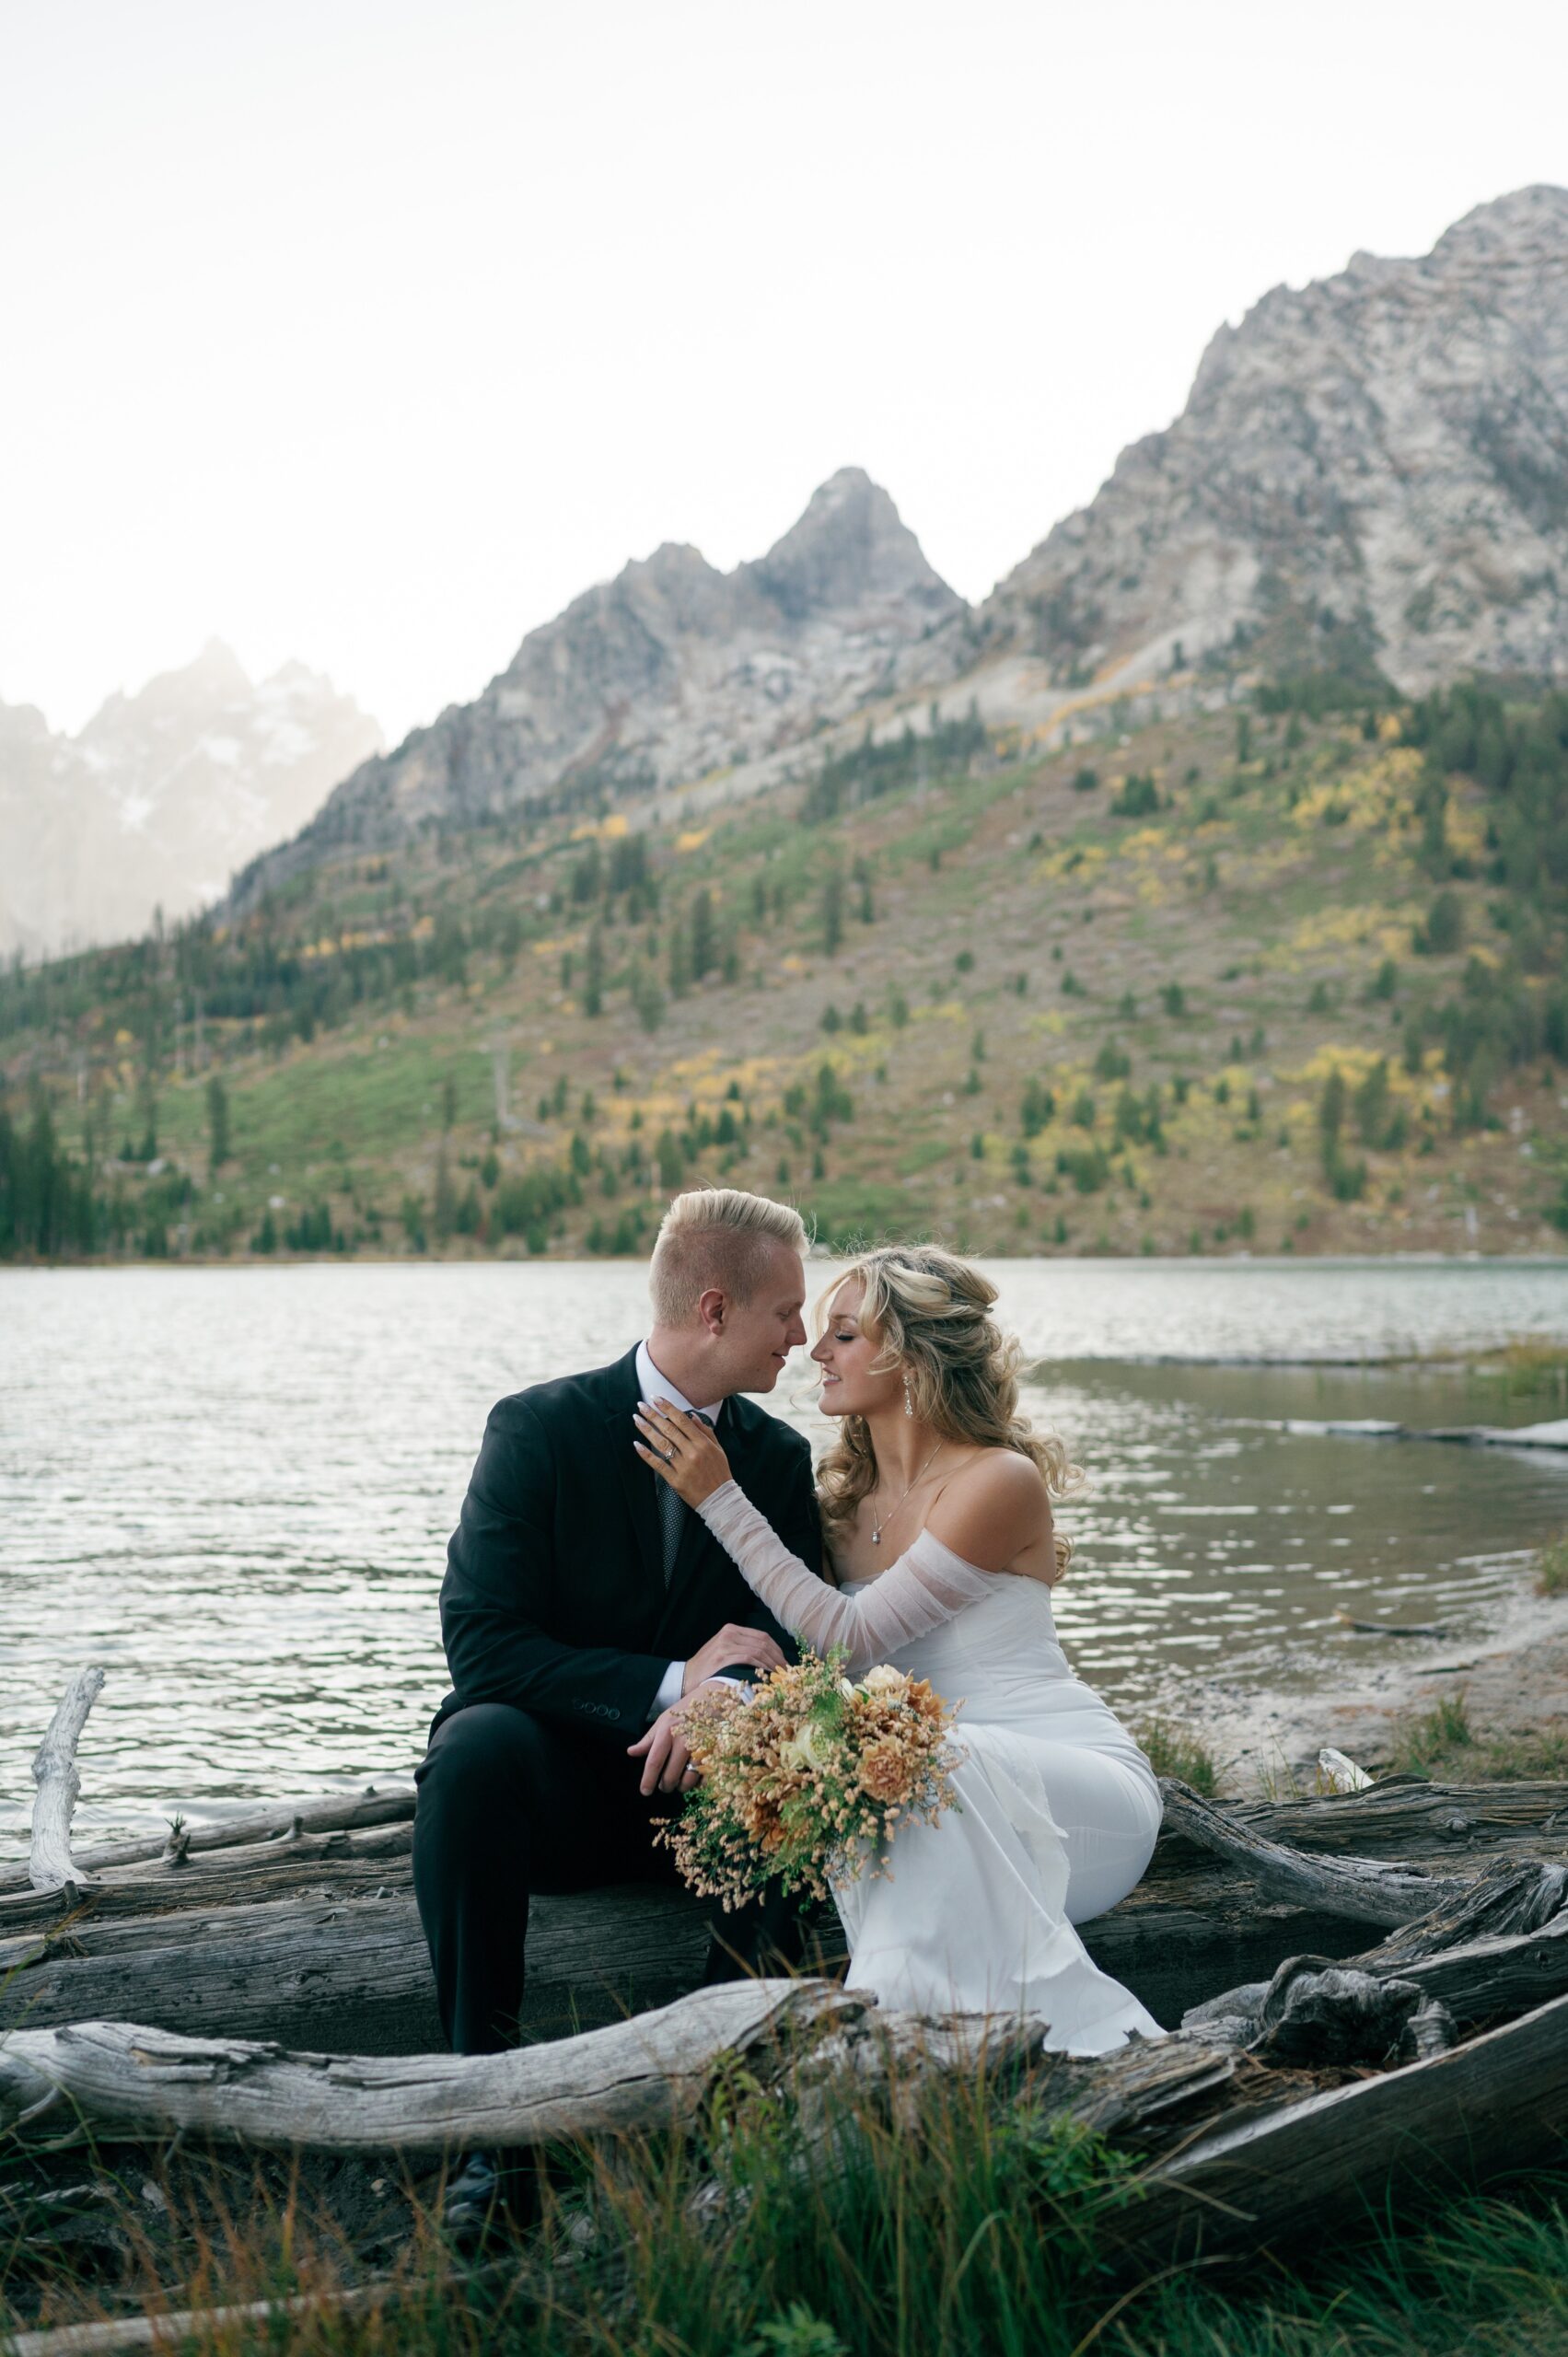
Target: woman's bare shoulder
[994,1508]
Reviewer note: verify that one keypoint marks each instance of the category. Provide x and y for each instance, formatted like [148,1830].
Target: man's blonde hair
[718,1235]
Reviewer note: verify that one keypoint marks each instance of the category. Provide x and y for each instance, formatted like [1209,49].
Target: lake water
[234,1487]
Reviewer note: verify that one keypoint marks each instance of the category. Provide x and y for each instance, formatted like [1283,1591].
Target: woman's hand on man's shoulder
[992,1509]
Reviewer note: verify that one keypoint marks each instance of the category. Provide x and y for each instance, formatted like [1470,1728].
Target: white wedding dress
[1058,1808]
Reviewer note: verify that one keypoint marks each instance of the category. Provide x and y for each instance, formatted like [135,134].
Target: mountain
[162,796]
[1370,470]
[669,671]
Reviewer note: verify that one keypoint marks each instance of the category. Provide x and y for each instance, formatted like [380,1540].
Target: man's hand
[733,1645]
[666,1763]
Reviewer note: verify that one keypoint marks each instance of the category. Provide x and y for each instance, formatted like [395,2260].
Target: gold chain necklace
[878,1526]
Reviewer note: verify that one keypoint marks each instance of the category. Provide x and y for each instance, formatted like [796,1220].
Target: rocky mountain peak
[670,671]
[850,549]
[1506,224]
[1370,470]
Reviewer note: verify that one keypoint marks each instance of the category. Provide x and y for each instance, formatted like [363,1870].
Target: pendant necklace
[878,1526]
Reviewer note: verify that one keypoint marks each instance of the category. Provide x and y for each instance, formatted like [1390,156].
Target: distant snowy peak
[162,796]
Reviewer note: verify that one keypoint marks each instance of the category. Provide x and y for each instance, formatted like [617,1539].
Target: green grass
[1525,1370]
[1551,1568]
[976,2225]
[1442,1742]
[1175,1750]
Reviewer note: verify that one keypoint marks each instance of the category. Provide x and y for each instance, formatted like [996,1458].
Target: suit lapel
[636,1479]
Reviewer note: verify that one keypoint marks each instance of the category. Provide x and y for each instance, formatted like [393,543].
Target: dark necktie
[672,1513]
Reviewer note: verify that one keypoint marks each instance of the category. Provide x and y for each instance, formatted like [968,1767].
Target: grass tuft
[1443,1744]
[1551,1568]
[1175,1750]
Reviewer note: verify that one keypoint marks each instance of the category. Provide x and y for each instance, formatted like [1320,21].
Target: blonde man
[578,1612]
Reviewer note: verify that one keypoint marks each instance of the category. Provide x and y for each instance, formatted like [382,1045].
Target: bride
[936,1503]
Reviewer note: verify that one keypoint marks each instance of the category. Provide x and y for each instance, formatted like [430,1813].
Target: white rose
[846,1688]
[885,1679]
[804,1748]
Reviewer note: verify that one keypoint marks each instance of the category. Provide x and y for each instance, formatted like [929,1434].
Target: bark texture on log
[1410,1817]
[1368,1891]
[1495,2104]
[50,1862]
[345,1975]
[639,2075]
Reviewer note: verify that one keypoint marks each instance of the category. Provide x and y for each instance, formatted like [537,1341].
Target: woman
[937,1517]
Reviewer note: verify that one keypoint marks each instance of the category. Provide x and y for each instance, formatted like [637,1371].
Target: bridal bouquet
[809,1777]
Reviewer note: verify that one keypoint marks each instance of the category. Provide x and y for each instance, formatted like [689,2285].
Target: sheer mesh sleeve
[928,1585]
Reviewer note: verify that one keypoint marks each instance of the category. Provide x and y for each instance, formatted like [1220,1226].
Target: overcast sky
[370,331]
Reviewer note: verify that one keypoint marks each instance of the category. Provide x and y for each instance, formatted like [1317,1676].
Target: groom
[584,1603]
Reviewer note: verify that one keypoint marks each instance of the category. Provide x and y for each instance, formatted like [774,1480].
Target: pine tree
[218,1148]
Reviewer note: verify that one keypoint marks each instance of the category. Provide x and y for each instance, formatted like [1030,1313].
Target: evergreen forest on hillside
[1284,976]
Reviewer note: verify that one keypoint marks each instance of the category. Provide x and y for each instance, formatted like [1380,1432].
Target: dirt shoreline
[1513,1676]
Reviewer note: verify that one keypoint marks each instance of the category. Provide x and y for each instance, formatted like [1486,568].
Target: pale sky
[371,331]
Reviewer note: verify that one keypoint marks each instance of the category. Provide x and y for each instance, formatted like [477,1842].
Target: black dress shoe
[475,2210]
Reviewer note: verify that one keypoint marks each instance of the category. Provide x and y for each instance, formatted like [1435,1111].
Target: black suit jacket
[554,1598]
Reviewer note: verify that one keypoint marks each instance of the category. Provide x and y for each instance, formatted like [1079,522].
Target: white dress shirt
[651,1385]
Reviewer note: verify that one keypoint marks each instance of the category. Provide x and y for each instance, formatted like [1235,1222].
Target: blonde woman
[941,1554]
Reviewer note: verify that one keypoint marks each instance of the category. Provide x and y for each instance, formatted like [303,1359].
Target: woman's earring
[909,1397]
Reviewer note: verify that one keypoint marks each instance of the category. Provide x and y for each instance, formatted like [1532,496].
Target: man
[582,1605]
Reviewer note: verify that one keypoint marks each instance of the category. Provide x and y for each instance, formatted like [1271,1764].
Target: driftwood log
[49,1864]
[1329,2075]
[120,2335]
[297,1923]
[645,2073]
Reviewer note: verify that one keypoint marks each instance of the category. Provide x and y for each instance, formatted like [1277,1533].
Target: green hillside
[1271,978]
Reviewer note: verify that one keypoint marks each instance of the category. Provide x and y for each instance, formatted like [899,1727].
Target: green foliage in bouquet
[809,1777]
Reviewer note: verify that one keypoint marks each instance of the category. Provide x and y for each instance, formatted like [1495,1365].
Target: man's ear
[712,1307]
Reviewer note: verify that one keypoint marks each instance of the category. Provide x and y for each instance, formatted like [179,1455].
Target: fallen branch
[118,2336]
[377,1805]
[1499,1950]
[49,1864]
[349,1865]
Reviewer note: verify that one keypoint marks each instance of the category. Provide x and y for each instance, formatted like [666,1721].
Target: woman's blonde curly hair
[931,1313]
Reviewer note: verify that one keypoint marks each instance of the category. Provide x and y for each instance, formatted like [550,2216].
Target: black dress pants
[510,1805]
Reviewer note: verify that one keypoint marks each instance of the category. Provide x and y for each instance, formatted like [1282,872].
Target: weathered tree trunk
[646,2074]
[1474,1979]
[49,1864]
